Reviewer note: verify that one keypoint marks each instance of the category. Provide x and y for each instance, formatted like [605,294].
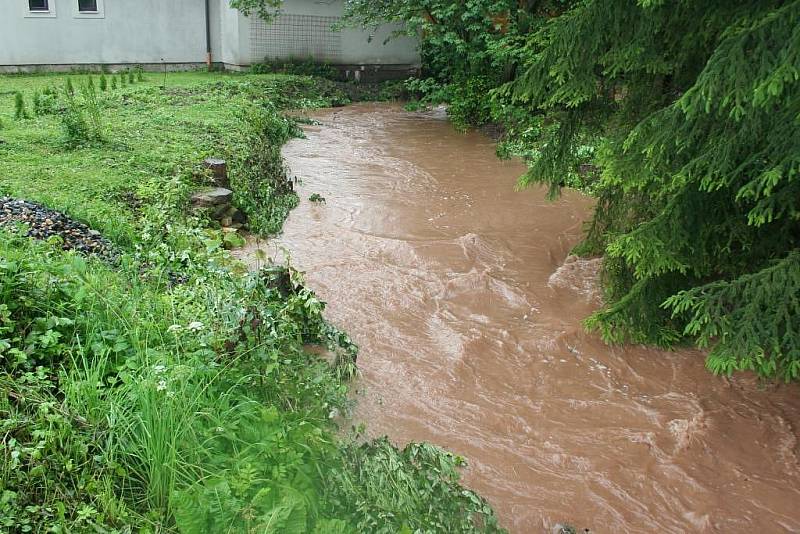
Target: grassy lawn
[170,391]
[149,132]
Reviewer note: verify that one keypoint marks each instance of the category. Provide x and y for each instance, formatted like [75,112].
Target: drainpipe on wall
[209,57]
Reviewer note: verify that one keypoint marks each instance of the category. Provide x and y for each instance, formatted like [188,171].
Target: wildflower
[162,385]
[159,369]
[174,328]
[196,326]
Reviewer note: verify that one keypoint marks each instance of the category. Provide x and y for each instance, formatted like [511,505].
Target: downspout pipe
[209,55]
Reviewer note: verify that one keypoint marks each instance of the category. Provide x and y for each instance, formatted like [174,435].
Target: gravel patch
[44,223]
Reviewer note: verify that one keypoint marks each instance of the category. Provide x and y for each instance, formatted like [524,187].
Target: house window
[88,9]
[87,6]
[39,5]
[38,8]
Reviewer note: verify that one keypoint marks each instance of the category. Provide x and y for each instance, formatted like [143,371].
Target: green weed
[20,110]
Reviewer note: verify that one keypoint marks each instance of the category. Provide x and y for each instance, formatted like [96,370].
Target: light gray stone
[212,197]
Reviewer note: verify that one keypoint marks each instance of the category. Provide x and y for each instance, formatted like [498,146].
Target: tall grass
[20,109]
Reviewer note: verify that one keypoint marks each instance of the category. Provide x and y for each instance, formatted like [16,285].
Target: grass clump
[45,102]
[20,110]
[173,392]
[81,119]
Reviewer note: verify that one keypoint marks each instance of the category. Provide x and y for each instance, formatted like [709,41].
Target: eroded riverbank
[468,316]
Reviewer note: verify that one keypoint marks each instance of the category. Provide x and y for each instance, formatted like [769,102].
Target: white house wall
[303,30]
[127,31]
[151,32]
[227,34]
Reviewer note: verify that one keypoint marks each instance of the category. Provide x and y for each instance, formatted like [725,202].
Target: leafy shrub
[426,90]
[468,106]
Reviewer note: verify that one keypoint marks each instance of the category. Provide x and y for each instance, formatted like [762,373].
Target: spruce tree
[694,109]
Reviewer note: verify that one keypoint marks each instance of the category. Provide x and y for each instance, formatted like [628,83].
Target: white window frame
[99,14]
[49,14]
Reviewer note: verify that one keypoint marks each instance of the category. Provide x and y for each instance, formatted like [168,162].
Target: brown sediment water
[467,308]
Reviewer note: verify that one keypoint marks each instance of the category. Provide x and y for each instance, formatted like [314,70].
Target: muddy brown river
[467,308]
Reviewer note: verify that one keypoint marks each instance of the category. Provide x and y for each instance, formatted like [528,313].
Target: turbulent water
[467,307]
